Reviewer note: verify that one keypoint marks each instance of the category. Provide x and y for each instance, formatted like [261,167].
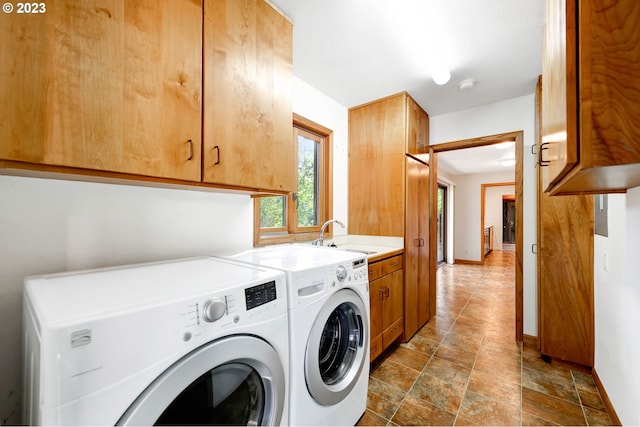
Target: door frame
[483,192]
[518,136]
[445,209]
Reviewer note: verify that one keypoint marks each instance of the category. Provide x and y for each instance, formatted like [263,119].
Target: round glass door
[231,394]
[337,348]
[236,380]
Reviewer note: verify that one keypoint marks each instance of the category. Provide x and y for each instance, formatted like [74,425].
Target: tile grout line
[422,371]
[584,412]
[521,381]
[466,386]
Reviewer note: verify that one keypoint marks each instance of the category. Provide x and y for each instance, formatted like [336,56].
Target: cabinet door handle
[386,292]
[381,292]
[217,148]
[541,161]
[534,248]
[190,149]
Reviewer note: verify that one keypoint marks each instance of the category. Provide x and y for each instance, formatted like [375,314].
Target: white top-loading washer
[328,294]
[191,341]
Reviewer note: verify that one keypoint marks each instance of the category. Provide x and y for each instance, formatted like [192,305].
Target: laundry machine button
[213,309]
[341,273]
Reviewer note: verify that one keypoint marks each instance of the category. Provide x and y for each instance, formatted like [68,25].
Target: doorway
[441,224]
[508,219]
[518,137]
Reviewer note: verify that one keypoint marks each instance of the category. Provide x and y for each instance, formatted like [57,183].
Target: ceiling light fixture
[507,162]
[466,84]
[440,76]
[504,145]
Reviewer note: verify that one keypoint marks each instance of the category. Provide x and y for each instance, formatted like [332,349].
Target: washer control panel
[229,308]
[349,272]
[213,309]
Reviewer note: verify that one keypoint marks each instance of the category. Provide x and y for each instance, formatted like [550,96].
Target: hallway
[464,367]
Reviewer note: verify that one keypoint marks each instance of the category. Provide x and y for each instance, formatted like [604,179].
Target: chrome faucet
[320,240]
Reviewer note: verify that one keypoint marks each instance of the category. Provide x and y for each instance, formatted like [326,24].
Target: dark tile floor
[465,368]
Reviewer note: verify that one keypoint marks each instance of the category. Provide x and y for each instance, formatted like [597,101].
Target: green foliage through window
[306,197]
[273,212]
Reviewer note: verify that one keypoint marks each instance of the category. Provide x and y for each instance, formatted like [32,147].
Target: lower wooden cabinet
[386,299]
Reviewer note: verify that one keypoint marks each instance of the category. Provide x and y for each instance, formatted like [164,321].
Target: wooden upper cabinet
[591,96]
[106,85]
[380,133]
[248,71]
[417,128]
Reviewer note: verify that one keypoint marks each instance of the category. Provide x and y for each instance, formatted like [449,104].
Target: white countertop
[379,246]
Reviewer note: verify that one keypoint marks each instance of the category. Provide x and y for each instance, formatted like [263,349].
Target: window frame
[293,233]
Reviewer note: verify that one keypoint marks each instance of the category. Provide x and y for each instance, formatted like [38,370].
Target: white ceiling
[356,51]
[484,159]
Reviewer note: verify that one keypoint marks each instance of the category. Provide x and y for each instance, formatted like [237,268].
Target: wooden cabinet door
[565,281]
[417,128]
[559,71]
[376,299]
[590,121]
[424,313]
[108,85]
[393,306]
[416,247]
[376,162]
[248,75]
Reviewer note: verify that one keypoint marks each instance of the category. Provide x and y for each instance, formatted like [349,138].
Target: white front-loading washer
[193,341]
[328,293]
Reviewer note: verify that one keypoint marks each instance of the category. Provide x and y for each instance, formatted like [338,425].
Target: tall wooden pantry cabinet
[565,271]
[389,190]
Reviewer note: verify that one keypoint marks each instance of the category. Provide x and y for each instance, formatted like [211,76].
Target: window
[299,215]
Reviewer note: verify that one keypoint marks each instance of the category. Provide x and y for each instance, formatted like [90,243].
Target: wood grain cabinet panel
[106,85]
[565,271]
[416,247]
[395,202]
[386,299]
[591,87]
[248,95]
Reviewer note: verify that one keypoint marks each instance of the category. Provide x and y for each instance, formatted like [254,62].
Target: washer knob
[341,273]
[213,309]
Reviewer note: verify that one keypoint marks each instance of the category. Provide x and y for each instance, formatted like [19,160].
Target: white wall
[493,210]
[505,116]
[617,306]
[54,225]
[313,105]
[467,238]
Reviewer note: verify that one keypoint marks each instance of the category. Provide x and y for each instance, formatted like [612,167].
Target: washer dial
[213,309]
[341,273]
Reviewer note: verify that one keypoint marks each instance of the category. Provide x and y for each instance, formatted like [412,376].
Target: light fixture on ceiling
[507,162]
[504,145]
[467,84]
[440,75]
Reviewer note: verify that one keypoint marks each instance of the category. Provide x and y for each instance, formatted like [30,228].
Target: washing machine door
[238,380]
[337,348]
